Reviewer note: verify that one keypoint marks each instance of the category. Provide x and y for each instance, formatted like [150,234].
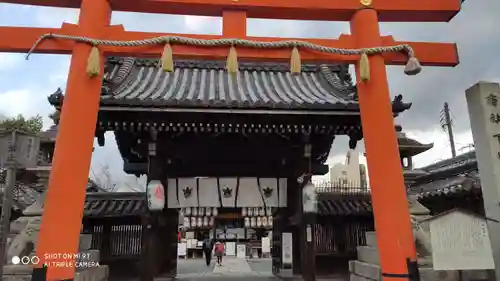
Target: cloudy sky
[25,85]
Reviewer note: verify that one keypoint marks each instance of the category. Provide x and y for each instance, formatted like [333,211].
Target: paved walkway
[231,266]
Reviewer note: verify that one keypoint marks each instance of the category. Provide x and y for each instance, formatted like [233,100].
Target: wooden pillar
[151,261]
[170,238]
[106,239]
[293,200]
[74,145]
[146,259]
[307,243]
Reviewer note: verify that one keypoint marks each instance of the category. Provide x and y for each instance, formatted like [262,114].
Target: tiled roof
[50,134]
[408,146]
[115,204]
[453,185]
[206,84]
[345,206]
[25,194]
[450,163]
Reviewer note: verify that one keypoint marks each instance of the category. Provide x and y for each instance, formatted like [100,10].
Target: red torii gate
[65,197]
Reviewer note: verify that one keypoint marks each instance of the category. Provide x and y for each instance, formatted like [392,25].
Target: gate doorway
[244,233]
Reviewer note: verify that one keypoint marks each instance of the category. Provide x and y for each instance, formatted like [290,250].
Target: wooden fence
[124,241]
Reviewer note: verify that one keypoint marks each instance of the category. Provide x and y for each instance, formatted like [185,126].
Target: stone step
[364,269]
[100,273]
[368,254]
[17,270]
[354,277]
[361,271]
[371,239]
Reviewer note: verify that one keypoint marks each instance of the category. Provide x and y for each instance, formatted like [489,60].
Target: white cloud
[475,30]
[9,61]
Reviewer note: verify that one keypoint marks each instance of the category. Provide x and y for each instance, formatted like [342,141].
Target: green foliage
[32,125]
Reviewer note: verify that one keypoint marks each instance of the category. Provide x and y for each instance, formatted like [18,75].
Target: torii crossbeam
[63,210]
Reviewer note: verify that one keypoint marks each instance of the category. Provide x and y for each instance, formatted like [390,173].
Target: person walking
[219,252]
[207,249]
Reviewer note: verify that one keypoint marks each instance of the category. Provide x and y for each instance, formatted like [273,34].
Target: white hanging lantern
[253,222]
[244,211]
[215,211]
[259,221]
[264,222]
[247,222]
[195,211]
[201,211]
[269,211]
[262,212]
[211,221]
[256,211]
[193,221]
[205,221]
[156,195]
[186,222]
[187,211]
[270,221]
[208,211]
[250,212]
[309,198]
[200,221]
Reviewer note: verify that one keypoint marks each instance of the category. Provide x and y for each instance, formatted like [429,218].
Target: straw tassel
[412,66]
[295,63]
[364,68]
[93,62]
[167,60]
[232,60]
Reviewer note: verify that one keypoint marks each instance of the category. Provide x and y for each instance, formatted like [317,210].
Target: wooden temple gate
[256,142]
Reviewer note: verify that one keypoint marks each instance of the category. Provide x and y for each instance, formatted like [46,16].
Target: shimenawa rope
[93,65]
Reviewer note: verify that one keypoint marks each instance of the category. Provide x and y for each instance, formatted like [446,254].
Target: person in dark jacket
[208,245]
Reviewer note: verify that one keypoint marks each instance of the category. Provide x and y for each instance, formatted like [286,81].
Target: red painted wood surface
[339,10]
[429,54]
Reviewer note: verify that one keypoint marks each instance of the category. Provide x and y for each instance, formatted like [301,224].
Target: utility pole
[447,126]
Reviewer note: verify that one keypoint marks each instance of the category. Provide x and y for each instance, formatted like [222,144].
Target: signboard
[155,195]
[191,243]
[287,249]
[460,241]
[230,249]
[241,251]
[181,249]
[309,233]
[266,245]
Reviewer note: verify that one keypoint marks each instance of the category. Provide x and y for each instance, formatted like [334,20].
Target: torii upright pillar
[65,197]
[74,144]
[390,207]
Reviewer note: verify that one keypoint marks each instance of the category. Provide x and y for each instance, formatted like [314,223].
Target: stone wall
[367,266]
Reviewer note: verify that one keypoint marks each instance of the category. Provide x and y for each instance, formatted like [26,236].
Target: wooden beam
[388,10]
[429,54]
[222,171]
